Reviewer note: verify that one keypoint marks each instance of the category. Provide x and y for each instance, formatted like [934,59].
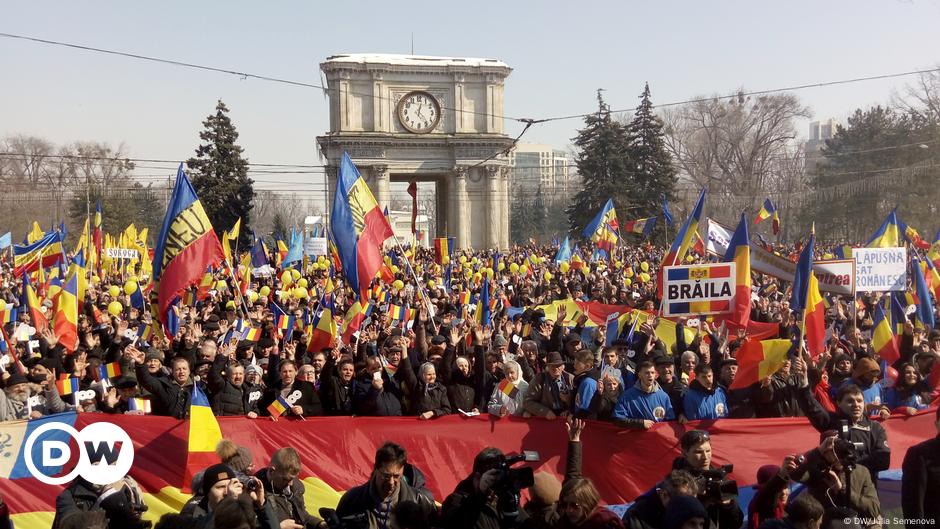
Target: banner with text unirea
[337,452]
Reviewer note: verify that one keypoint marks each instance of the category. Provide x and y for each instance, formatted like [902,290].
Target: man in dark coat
[648,511]
[228,393]
[301,395]
[285,491]
[169,396]
[920,485]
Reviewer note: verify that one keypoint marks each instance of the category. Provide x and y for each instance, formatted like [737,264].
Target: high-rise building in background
[536,165]
[819,132]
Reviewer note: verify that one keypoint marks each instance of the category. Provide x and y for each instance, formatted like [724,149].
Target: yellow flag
[35,234]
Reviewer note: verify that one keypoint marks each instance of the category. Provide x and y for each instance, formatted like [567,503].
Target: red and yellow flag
[758,360]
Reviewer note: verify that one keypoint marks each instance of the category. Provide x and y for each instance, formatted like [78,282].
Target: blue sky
[561,53]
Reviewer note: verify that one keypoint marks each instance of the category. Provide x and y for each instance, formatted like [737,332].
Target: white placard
[699,289]
[122,253]
[315,246]
[880,269]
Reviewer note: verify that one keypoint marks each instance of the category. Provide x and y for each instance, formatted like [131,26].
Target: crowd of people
[489,333]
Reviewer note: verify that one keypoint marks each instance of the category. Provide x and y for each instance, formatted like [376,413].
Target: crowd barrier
[337,452]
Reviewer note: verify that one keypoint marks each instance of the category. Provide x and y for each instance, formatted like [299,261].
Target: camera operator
[649,510]
[122,503]
[377,502]
[717,493]
[833,476]
[870,437]
[483,500]
[285,492]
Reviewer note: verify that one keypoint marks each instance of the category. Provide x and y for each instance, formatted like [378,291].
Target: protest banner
[315,246]
[880,269]
[698,289]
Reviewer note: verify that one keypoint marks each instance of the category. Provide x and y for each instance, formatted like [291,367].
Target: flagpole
[425,298]
[238,291]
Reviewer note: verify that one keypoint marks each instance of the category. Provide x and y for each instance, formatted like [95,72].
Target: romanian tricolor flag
[483,313]
[924,315]
[507,388]
[250,334]
[145,332]
[8,313]
[931,276]
[66,315]
[283,322]
[278,407]
[700,275]
[443,249]
[680,246]
[889,234]
[282,250]
[806,298]
[44,252]
[67,386]
[759,359]
[768,210]
[577,262]
[642,226]
[139,404]
[353,320]
[108,370]
[204,435]
[186,247]
[883,339]
[324,328]
[739,253]
[30,300]
[359,229]
[603,229]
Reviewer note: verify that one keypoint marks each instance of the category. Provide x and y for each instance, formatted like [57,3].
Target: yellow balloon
[690,258]
[115,308]
[462,259]
[477,277]
[828,256]
[95,279]
[230,305]
[252,296]
[501,266]
[618,265]
[629,272]
[601,266]
[295,274]
[321,259]
[220,285]
[547,276]
[645,266]
[514,268]
[564,267]
[431,283]
[644,277]
[286,278]
[627,281]
[524,269]
[130,287]
[300,293]
[265,290]
[398,284]
[489,273]
[114,291]
[302,282]
[394,269]
[467,272]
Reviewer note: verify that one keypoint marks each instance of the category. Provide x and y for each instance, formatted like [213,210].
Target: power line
[528,121]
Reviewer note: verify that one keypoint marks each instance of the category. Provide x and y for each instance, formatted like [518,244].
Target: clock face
[419,112]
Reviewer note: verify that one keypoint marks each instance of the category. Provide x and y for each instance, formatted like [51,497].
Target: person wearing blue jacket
[705,399]
[645,404]
[865,375]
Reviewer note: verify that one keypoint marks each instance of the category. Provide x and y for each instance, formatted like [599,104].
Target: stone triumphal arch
[408,118]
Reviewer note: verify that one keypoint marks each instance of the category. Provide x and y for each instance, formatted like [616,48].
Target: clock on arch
[419,112]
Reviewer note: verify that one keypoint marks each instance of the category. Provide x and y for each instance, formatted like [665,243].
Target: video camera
[512,480]
[846,450]
[715,487]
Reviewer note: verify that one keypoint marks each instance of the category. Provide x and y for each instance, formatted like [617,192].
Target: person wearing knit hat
[865,375]
[685,512]
[773,491]
[543,494]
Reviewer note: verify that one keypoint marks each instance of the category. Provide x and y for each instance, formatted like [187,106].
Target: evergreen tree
[219,174]
[605,166]
[656,174]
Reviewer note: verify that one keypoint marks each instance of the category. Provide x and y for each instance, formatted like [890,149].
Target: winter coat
[515,405]
[362,500]
[779,398]
[309,399]
[540,398]
[337,397]
[225,397]
[920,484]
[700,403]
[722,515]
[637,405]
[50,403]
[287,503]
[167,397]
[647,512]
[385,402]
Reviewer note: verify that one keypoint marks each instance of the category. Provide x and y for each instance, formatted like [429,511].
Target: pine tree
[605,166]
[655,175]
[219,174]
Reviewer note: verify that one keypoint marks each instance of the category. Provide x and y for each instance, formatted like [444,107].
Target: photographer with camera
[285,492]
[378,503]
[833,476]
[122,502]
[649,510]
[489,497]
[870,438]
[716,491]
[219,483]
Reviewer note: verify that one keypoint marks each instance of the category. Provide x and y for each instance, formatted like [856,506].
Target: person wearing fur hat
[17,390]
